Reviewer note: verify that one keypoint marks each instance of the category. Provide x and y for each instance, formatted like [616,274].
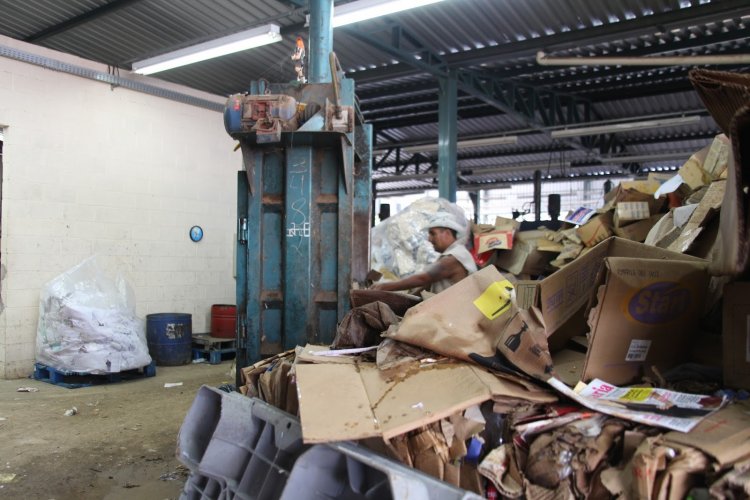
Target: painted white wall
[88,169]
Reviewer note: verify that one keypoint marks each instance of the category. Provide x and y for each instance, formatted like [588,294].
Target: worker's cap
[443,219]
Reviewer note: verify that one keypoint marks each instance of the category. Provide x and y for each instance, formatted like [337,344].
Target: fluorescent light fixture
[256,37]
[361,10]
[625,127]
[469,143]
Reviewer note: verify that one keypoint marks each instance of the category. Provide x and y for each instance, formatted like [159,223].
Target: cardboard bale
[736,335]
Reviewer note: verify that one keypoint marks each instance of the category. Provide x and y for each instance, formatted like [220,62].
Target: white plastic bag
[399,244]
[87,323]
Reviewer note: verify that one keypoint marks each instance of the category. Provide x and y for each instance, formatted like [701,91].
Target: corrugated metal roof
[498,38]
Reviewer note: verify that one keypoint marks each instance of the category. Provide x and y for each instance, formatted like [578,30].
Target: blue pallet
[214,356]
[74,380]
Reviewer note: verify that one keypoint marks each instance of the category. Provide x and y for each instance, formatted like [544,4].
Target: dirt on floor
[119,445]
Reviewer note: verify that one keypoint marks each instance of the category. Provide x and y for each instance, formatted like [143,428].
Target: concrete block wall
[93,170]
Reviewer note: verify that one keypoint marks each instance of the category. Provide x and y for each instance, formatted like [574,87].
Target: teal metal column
[447,136]
[321,40]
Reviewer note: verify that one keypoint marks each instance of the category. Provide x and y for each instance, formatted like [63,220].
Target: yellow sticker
[637,394]
[495,300]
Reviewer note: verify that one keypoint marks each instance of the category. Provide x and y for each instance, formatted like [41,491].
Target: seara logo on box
[659,302]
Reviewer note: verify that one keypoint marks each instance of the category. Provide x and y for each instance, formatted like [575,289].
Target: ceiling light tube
[469,143]
[625,127]
[256,37]
[361,10]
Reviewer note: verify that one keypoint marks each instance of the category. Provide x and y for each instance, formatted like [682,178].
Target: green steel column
[447,136]
[321,40]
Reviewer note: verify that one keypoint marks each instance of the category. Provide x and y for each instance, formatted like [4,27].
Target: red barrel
[223,320]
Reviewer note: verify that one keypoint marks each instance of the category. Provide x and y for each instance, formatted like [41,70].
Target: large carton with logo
[639,304]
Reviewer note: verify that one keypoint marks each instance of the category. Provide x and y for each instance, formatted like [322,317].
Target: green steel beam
[448,136]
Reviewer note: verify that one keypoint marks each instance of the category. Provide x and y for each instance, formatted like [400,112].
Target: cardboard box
[596,230]
[498,237]
[563,294]
[493,240]
[614,285]
[629,191]
[525,257]
[629,211]
[736,335]
[644,314]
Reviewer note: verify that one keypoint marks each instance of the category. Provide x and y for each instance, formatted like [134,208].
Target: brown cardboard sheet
[341,402]
[725,435]
[469,317]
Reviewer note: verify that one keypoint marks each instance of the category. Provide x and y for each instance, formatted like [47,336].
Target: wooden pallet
[213,349]
[74,380]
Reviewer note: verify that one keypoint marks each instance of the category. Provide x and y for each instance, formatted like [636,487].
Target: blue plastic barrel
[170,338]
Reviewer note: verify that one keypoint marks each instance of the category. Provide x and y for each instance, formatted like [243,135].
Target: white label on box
[638,350]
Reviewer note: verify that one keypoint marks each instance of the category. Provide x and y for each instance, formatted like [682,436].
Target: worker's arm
[443,268]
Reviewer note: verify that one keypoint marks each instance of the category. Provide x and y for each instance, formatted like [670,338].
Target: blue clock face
[196,233]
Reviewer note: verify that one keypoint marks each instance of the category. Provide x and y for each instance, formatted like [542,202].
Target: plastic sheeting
[399,244]
[87,323]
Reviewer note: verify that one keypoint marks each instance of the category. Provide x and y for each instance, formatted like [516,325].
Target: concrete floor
[120,444]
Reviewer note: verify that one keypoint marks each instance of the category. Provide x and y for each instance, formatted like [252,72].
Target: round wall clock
[196,233]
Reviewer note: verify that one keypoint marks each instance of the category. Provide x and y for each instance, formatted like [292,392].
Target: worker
[453,265]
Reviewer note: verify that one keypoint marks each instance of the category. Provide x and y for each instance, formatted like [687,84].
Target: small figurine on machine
[298,56]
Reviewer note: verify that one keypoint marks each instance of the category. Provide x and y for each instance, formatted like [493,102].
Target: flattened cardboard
[725,435]
[645,316]
[333,404]
[341,402]
[736,335]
